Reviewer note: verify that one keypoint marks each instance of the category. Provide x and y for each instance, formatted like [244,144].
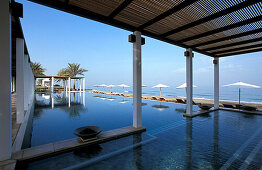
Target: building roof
[215,28]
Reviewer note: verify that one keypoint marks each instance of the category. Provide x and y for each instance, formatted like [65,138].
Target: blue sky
[55,38]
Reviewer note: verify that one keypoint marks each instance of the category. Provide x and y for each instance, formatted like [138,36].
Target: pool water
[218,140]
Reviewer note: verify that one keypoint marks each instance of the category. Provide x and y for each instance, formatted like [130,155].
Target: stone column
[189,81]
[5,74]
[137,78]
[20,80]
[216,82]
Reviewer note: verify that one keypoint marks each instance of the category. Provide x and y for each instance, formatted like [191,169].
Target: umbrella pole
[160,91]
[239,96]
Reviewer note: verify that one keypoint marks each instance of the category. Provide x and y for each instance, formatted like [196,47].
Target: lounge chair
[248,108]
[181,101]
[153,98]
[162,99]
[193,102]
[228,106]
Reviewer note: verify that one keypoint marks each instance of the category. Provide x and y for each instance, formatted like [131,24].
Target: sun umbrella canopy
[242,84]
[183,86]
[102,85]
[111,85]
[160,86]
[96,85]
[123,85]
[144,85]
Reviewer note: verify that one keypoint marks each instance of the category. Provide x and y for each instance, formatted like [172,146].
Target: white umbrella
[102,85]
[96,85]
[111,85]
[160,86]
[241,84]
[123,85]
[183,86]
[144,85]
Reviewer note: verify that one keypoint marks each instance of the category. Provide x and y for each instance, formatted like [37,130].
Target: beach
[174,99]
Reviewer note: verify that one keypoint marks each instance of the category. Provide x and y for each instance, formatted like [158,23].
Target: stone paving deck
[66,145]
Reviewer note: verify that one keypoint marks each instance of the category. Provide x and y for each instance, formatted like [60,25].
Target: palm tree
[74,69]
[62,72]
[37,68]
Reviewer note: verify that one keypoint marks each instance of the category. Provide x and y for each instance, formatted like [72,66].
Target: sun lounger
[193,102]
[181,101]
[248,108]
[162,99]
[153,98]
[228,106]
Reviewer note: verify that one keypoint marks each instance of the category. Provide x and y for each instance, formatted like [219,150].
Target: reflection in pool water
[220,139]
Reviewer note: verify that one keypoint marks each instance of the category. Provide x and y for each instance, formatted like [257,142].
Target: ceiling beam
[167,13]
[228,38]
[121,7]
[213,16]
[233,44]
[237,49]
[238,24]
[242,52]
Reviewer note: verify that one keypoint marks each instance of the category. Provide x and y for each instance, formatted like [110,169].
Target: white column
[66,86]
[52,100]
[52,84]
[20,80]
[84,86]
[69,85]
[80,85]
[137,118]
[216,82]
[189,80]
[5,90]
[26,82]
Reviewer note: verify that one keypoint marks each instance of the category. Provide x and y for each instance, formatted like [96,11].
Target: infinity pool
[218,140]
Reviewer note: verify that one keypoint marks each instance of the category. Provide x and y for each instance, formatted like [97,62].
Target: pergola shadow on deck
[213,28]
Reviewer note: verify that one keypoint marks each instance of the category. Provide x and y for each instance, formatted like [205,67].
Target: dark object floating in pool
[87,131]
[248,108]
[205,107]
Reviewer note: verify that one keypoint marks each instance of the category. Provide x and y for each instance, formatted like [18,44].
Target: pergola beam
[238,24]
[243,52]
[233,44]
[237,49]
[228,37]
[121,7]
[167,13]
[213,16]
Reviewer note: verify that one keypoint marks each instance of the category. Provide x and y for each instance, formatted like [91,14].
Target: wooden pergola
[213,28]
[66,78]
